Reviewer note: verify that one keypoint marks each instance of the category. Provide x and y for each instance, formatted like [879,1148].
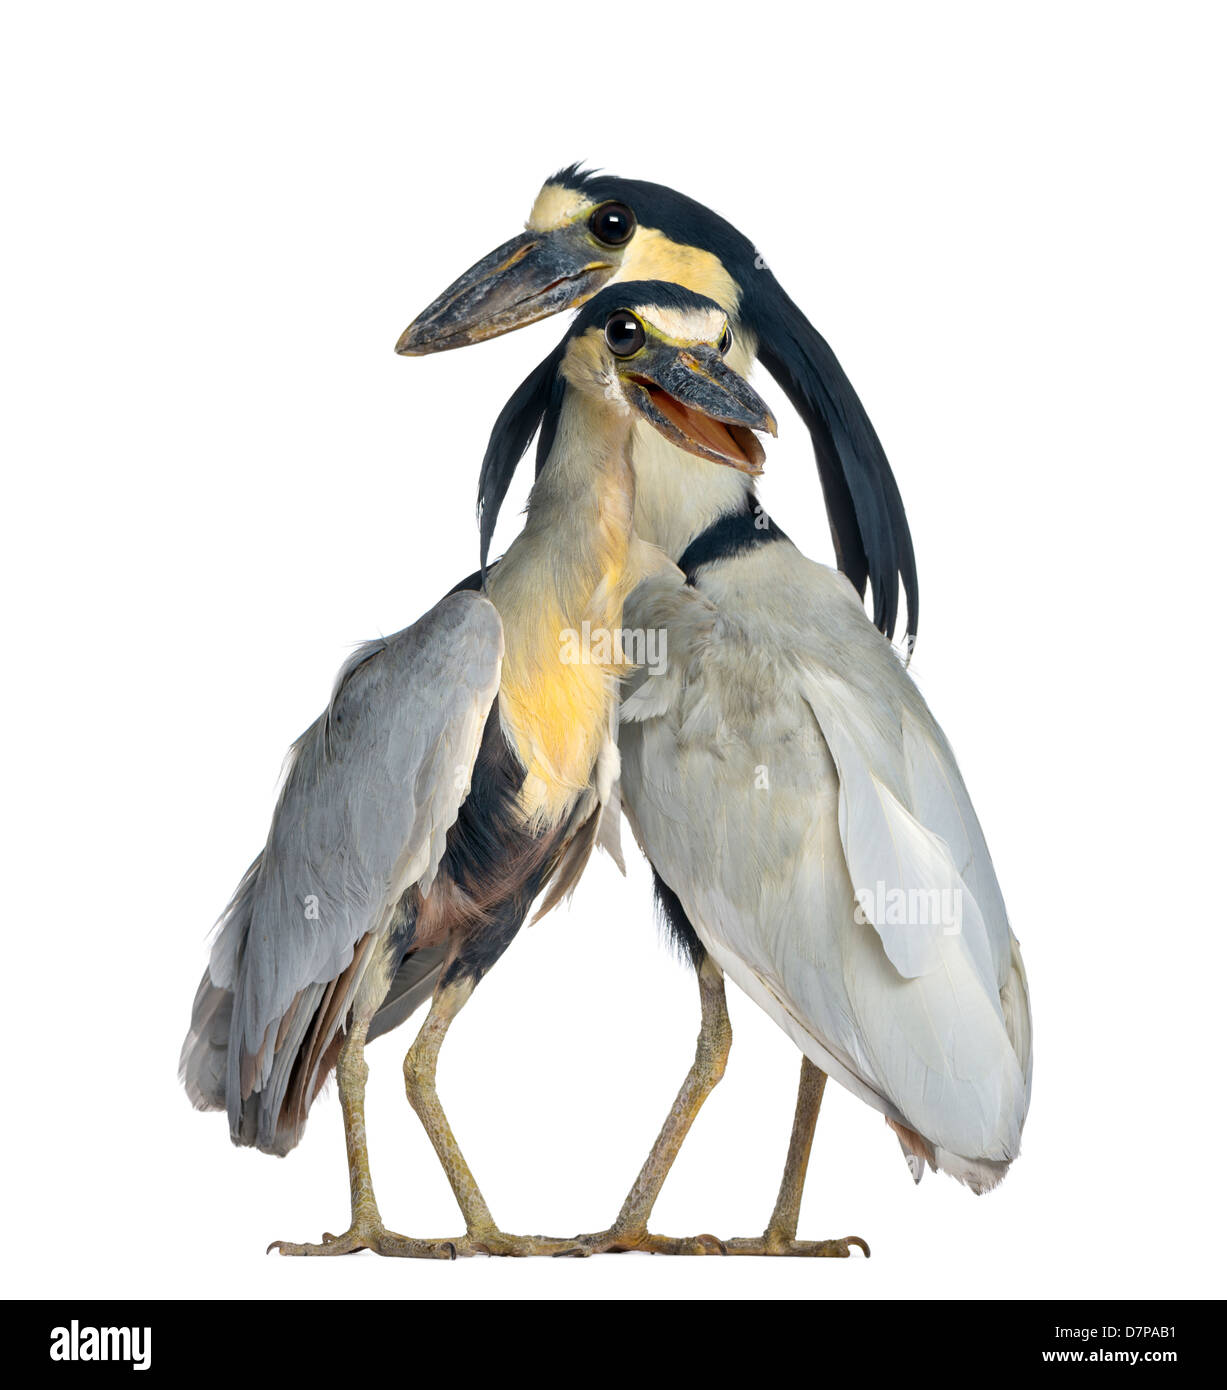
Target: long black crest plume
[868,523]
[513,432]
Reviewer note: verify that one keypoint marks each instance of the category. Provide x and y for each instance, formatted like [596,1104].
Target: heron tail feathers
[266,1093]
[979,1174]
[202,1062]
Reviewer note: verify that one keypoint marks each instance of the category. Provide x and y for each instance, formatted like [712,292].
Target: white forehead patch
[556,205]
[685,325]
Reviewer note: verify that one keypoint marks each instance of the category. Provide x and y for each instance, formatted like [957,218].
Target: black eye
[612,224]
[624,333]
[726,341]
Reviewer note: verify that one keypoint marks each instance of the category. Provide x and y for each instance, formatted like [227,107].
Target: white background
[1008,221]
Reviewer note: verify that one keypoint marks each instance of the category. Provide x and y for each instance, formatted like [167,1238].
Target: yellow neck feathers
[566,575]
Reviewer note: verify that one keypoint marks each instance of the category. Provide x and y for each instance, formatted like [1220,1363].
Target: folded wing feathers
[954,1037]
[372,789]
[930,1026]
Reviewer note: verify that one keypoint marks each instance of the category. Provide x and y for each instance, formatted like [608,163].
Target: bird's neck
[678,496]
[559,590]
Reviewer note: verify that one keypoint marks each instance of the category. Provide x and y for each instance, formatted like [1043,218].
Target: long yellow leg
[787,1213]
[366,1228]
[630,1230]
[482,1234]
[780,1237]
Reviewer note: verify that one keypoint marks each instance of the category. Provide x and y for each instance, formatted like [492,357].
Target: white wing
[786,761]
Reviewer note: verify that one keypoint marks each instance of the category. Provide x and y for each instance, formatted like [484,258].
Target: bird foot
[371,1236]
[621,1242]
[770,1243]
[499,1243]
[616,1242]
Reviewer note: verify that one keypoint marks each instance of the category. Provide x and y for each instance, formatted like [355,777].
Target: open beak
[696,400]
[528,278]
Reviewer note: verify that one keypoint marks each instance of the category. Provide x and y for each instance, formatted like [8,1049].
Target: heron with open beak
[460,769]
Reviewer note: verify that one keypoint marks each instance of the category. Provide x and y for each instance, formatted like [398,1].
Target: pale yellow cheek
[652,256]
[583,364]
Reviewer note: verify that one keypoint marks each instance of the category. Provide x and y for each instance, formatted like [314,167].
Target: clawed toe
[768,1244]
[373,1238]
[615,1242]
[499,1243]
[329,1244]
[621,1242]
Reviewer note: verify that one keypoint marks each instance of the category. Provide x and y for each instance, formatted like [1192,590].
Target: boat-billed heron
[460,769]
[586,230]
[806,822]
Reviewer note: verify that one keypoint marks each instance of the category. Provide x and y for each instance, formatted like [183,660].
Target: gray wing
[371,791]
